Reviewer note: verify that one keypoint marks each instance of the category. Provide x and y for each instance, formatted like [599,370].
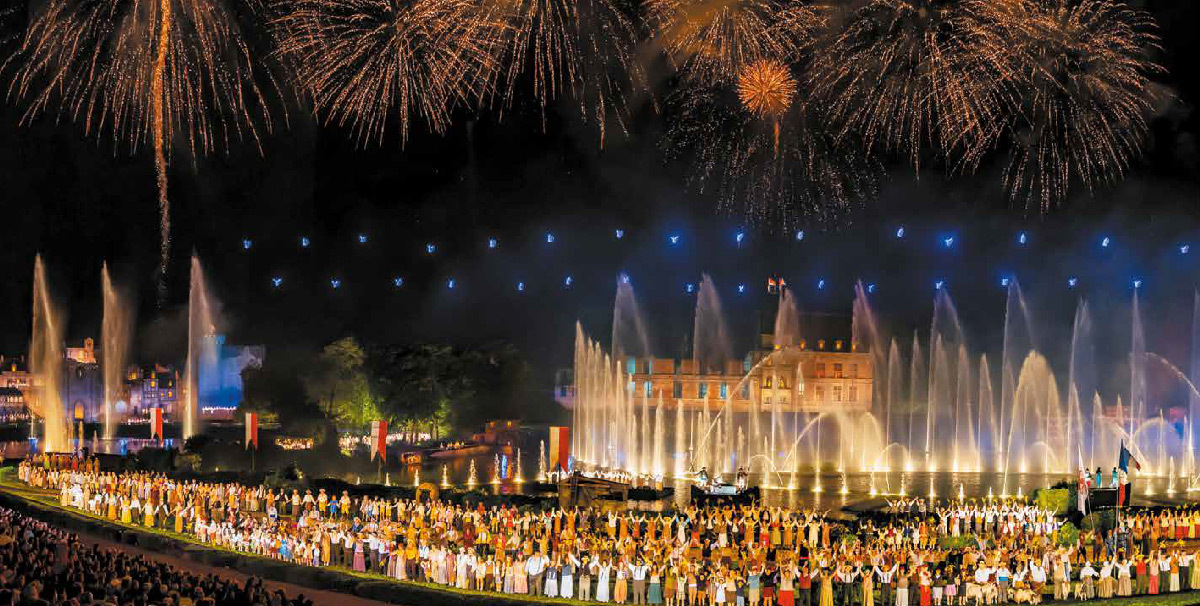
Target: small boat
[412,458]
[724,493]
[466,450]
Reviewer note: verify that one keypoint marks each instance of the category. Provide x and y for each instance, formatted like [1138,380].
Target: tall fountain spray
[114,346]
[1137,367]
[202,350]
[711,346]
[46,362]
[1193,397]
[787,320]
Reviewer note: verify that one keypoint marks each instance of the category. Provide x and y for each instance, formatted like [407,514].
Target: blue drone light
[741,235]
[620,233]
[821,284]
[398,281]
[1184,249]
[1022,238]
[1137,283]
[900,232]
[1004,281]
[335,283]
[304,242]
[938,285]
[362,238]
[624,278]
[800,235]
[247,243]
[568,281]
[689,287]
[1105,241]
[1072,282]
[549,238]
[673,240]
[493,243]
[430,248]
[741,289]
[450,284]
[948,241]
[277,281]
[871,287]
[520,287]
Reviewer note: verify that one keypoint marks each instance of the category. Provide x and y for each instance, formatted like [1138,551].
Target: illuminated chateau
[818,376]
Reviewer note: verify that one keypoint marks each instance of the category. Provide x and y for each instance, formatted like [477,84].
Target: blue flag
[1127,457]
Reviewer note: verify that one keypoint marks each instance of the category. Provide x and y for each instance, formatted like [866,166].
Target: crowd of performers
[928,554]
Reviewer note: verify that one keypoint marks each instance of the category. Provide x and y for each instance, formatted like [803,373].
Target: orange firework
[365,62]
[714,40]
[145,71]
[766,88]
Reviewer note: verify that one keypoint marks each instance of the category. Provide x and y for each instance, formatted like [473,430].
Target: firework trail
[766,89]
[365,61]
[145,72]
[576,49]
[713,41]
[1084,97]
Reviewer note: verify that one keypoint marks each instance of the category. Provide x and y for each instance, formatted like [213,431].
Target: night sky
[77,202]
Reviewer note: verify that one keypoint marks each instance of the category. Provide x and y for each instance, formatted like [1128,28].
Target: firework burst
[906,74]
[365,62]
[1085,98]
[580,50]
[713,41]
[775,174]
[766,88]
[145,71]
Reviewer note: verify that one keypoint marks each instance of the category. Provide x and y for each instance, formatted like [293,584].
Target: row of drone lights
[947,241]
[674,239]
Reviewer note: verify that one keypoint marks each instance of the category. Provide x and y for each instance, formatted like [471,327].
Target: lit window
[724,390]
[819,394]
[783,383]
[646,388]
[837,371]
[768,383]
[837,393]
[820,370]
[631,365]
[703,390]
[678,389]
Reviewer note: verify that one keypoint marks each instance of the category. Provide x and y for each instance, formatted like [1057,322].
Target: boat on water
[412,458]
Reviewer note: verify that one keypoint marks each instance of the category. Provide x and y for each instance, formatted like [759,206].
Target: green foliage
[962,541]
[338,382]
[1053,499]
[277,393]
[1099,520]
[1068,535]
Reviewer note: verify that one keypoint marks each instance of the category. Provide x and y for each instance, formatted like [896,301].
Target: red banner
[156,423]
[252,429]
[560,448]
[379,439]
